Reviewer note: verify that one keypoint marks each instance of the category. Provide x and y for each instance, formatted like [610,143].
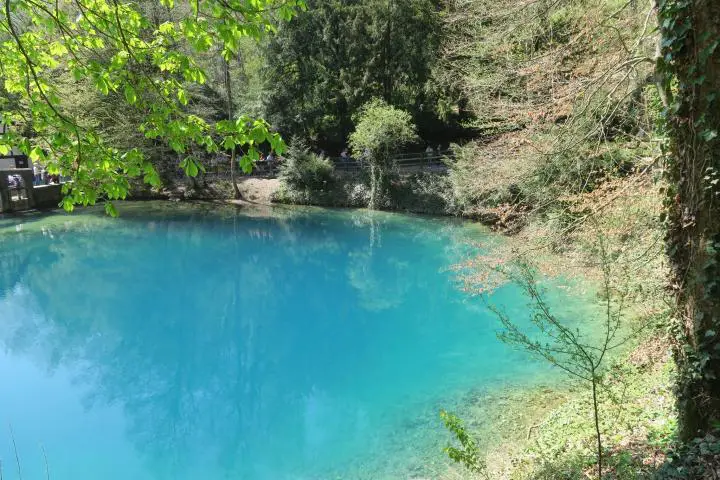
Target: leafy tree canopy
[122,49]
[337,56]
[382,130]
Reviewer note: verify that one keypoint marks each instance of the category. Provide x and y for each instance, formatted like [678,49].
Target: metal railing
[405,163]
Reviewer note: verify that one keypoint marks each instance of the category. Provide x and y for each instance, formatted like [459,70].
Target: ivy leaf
[709,135]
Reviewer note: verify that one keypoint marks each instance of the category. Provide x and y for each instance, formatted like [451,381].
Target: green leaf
[246,164]
[258,133]
[191,168]
[58,49]
[110,209]
[102,84]
[36,154]
[130,94]
[229,143]
[68,204]
[166,28]
[182,96]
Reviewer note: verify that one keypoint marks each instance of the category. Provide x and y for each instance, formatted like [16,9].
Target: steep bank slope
[570,163]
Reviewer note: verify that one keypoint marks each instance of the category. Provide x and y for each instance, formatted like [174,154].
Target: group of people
[268,163]
[429,151]
[270,159]
[42,177]
[14,181]
[346,158]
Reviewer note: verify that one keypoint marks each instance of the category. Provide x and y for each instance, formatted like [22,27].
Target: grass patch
[637,417]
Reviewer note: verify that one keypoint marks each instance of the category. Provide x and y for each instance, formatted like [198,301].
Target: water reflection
[230,345]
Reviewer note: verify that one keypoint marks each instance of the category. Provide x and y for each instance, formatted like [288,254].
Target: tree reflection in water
[237,345]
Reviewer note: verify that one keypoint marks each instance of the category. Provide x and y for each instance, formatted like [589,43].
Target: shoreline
[517,412]
[264,191]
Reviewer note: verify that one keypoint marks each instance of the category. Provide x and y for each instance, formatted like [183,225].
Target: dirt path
[258,190]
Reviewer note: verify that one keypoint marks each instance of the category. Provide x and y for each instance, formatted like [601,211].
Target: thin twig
[17,457]
[47,467]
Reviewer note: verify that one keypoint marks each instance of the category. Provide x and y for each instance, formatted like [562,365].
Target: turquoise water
[207,342]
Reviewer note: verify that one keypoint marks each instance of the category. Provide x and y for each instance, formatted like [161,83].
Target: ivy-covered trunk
[689,67]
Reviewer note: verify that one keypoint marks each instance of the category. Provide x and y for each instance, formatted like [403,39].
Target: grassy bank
[637,404]
[637,419]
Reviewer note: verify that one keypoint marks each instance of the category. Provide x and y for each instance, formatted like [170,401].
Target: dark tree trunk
[689,67]
[388,54]
[227,80]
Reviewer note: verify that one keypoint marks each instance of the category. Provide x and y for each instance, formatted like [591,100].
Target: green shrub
[334,191]
[381,130]
[423,193]
[467,452]
[356,193]
[303,170]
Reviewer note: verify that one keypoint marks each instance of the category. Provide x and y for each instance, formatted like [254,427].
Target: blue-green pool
[206,342]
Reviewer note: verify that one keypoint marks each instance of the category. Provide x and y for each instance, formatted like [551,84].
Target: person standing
[271,162]
[36,174]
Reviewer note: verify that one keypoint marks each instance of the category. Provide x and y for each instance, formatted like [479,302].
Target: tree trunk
[689,67]
[387,53]
[374,186]
[228,94]
[596,418]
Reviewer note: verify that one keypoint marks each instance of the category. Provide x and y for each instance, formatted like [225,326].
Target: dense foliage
[131,51]
[326,64]
[305,170]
